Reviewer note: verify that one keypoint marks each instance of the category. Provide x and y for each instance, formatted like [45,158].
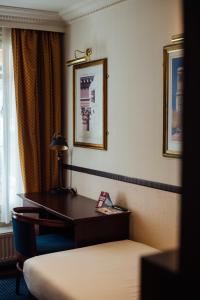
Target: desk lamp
[59,145]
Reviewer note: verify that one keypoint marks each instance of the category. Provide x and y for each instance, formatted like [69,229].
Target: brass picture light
[177,38]
[77,60]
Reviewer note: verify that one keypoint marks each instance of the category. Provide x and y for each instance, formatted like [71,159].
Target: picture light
[77,60]
[177,38]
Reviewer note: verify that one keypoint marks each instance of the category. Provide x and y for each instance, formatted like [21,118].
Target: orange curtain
[37,59]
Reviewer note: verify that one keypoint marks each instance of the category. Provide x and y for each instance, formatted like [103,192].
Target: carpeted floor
[7,289]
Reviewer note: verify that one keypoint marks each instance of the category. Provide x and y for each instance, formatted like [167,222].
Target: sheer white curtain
[11,180]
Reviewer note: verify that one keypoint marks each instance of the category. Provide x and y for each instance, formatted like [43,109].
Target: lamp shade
[58,143]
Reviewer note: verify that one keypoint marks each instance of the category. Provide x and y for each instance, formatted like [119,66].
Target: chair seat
[53,243]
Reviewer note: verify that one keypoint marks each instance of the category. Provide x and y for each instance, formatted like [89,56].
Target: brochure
[108,210]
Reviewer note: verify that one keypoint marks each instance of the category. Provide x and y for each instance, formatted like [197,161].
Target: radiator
[7,251]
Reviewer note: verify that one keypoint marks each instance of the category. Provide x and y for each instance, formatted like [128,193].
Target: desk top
[67,206]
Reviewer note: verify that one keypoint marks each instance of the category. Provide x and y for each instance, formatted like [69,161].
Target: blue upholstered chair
[28,243]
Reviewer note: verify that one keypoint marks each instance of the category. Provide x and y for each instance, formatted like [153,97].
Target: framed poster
[173,99]
[90,104]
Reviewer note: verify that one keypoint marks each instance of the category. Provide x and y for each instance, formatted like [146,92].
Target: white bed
[109,271]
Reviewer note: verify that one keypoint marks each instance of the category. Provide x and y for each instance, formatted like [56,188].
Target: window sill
[5,229]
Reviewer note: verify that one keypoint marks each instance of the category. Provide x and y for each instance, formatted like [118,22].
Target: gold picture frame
[90,104]
[173,71]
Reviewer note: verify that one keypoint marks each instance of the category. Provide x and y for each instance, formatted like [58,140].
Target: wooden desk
[89,226]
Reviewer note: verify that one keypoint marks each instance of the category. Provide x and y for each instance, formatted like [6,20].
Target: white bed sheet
[109,271]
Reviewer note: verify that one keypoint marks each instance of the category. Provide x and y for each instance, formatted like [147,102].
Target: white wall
[131,35]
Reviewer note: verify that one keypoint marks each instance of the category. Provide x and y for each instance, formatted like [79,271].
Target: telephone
[120,208]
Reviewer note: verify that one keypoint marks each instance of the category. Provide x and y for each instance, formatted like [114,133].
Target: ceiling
[59,6]
[56,11]
[56,5]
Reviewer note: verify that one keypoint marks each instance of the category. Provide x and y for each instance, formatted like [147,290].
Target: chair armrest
[26,209]
[18,213]
[52,223]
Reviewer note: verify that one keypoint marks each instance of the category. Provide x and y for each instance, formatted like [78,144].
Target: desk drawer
[100,230]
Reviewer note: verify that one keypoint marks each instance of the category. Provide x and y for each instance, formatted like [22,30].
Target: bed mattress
[109,271]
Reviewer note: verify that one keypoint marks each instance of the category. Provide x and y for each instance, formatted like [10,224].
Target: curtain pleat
[37,59]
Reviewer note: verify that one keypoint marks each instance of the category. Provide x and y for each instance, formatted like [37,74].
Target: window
[10,173]
[1,112]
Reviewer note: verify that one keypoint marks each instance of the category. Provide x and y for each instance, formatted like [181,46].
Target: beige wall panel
[131,35]
[155,213]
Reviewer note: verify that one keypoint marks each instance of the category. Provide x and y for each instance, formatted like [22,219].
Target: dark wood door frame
[190,206]
[175,274]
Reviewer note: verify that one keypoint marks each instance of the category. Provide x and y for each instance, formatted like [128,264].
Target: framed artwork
[90,104]
[173,99]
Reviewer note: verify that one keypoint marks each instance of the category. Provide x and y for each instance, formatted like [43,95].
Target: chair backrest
[24,229]
[24,235]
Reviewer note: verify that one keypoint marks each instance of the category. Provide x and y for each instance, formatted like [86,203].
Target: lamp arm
[60,157]
[70,179]
[87,52]
[79,51]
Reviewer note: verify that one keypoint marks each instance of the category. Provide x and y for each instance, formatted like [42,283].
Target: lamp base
[62,190]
